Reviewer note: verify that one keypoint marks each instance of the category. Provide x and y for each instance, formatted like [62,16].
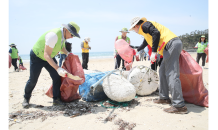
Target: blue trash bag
[85,90]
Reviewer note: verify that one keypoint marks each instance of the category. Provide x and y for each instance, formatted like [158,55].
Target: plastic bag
[69,86]
[10,60]
[92,94]
[206,50]
[124,50]
[191,80]
[22,67]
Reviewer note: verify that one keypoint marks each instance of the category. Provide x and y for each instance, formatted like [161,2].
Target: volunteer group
[155,35]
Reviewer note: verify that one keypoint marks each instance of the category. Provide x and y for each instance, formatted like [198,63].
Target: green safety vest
[39,46]
[201,47]
[14,53]
[127,39]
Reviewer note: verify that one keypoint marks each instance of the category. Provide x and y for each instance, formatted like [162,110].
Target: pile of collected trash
[118,86]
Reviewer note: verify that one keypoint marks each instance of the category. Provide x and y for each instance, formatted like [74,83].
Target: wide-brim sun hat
[135,20]
[124,30]
[12,44]
[73,28]
[87,39]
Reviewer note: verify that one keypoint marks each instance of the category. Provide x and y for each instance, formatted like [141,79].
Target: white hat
[87,39]
[135,20]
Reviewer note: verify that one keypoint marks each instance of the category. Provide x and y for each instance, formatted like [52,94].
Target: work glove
[89,47]
[153,54]
[62,72]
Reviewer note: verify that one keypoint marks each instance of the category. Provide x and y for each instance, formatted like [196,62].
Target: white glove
[136,50]
[62,72]
[153,54]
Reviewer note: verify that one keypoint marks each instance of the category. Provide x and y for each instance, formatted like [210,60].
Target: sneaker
[58,102]
[17,70]
[25,103]
[162,101]
[177,110]
[202,67]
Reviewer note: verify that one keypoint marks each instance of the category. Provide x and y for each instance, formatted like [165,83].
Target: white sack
[144,79]
[118,89]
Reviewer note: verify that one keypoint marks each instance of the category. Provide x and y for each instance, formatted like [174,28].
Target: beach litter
[124,124]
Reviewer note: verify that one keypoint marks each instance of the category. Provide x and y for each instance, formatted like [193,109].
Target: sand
[146,115]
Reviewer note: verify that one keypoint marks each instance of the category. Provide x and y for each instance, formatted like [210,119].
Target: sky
[100,20]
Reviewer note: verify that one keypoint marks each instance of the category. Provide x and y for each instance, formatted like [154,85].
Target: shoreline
[101,58]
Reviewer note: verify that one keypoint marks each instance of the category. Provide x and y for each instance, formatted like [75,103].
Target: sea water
[92,55]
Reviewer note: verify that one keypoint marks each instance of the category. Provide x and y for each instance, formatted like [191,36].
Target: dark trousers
[14,63]
[118,60]
[199,55]
[85,59]
[155,64]
[62,57]
[36,65]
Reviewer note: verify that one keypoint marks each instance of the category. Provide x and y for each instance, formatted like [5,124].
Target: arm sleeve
[51,39]
[149,28]
[196,45]
[82,45]
[10,51]
[143,45]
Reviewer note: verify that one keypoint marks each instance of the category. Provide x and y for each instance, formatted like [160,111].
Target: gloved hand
[136,50]
[62,72]
[153,54]
[89,47]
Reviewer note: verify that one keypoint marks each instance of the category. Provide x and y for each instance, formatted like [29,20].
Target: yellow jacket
[165,35]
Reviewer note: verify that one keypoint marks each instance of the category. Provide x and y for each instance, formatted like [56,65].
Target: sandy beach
[146,115]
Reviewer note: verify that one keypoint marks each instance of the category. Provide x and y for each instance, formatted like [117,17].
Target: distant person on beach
[123,36]
[85,52]
[43,55]
[14,56]
[20,61]
[62,55]
[201,45]
[156,35]
[141,53]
